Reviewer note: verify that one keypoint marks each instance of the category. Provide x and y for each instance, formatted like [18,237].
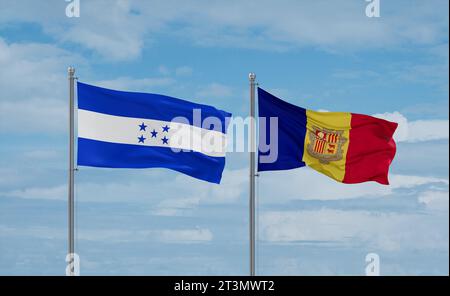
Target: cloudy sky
[316,54]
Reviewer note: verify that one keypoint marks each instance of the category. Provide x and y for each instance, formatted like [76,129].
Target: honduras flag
[118,129]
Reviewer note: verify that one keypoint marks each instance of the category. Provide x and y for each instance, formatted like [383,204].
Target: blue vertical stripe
[291,132]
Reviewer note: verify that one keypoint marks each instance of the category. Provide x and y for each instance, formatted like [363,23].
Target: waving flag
[348,147]
[119,129]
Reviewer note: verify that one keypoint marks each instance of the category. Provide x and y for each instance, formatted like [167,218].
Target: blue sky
[316,54]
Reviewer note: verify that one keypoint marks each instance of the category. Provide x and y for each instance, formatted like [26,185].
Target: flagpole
[71,207]
[252,77]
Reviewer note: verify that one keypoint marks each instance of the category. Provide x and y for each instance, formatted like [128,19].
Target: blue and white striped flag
[118,129]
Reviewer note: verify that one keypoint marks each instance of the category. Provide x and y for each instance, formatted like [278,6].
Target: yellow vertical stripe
[330,160]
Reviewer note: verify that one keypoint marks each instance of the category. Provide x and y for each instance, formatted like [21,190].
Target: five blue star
[142,127]
[154,133]
[166,128]
[141,139]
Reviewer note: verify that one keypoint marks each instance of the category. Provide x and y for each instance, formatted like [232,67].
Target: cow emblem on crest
[326,144]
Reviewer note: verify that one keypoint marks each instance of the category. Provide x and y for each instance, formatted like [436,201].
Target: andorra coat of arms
[325,144]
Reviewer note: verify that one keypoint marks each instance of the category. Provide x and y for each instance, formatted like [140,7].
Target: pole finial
[251,76]
[71,71]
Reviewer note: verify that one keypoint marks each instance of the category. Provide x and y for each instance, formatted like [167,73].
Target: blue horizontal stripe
[144,105]
[110,155]
[291,132]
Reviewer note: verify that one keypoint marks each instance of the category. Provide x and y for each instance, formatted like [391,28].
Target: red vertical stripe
[371,150]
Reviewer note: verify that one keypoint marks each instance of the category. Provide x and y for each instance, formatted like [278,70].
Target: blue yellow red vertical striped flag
[348,147]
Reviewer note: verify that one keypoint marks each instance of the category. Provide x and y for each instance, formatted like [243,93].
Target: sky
[321,55]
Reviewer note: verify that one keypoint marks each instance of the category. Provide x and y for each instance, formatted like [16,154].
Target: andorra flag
[348,147]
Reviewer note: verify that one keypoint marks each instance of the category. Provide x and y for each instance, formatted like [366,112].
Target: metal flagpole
[252,77]
[71,208]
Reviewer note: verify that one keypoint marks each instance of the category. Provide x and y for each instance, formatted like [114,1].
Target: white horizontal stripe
[126,130]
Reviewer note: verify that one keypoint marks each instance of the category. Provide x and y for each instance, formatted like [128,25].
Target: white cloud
[319,23]
[173,196]
[42,154]
[408,181]
[176,206]
[180,196]
[215,90]
[85,191]
[34,115]
[435,200]
[174,236]
[314,186]
[107,27]
[135,84]
[178,71]
[119,29]
[427,130]
[9,176]
[33,96]
[163,70]
[110,28]
[33,231]
[196,235]
[51,193]
[417,131]
[34,70]
[379,231]
[235,180]
[183,71]
[202,193]
[185,235]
